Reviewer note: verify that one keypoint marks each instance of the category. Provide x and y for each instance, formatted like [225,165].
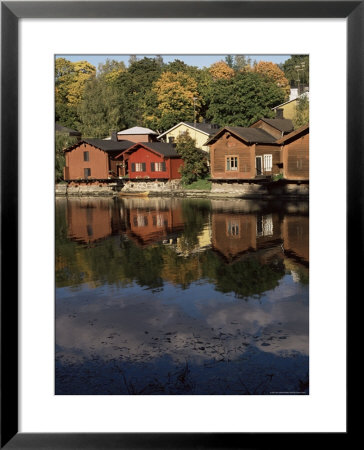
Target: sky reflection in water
[168,296]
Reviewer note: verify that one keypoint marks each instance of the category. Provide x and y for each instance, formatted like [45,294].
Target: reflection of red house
[93,159]
[147,226]
[155,160]
[88,220]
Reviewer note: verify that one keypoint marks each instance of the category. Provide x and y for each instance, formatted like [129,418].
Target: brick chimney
[114,136]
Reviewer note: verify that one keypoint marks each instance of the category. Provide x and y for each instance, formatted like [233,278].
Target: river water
[163,296]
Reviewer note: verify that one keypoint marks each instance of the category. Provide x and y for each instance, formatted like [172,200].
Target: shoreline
[294,193]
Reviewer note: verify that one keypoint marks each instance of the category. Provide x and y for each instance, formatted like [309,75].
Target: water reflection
[170,296]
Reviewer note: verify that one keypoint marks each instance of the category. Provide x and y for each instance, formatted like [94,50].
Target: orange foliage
[220,70]
[273,72]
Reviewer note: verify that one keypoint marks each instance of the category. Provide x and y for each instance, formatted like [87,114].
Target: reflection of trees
[117,261]
[144,265]
[181,271]
[195,214]
[244,278]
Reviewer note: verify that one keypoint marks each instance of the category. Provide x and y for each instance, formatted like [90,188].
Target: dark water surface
[174,296]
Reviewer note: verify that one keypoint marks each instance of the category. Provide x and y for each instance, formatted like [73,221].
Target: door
[258,165]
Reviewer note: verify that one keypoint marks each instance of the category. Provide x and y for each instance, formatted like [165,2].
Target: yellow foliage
[220,70]
[112,76]
[71,78]
[175,91]
[273,72]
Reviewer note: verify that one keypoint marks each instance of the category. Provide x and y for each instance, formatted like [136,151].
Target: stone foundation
[279,189]
[260,190]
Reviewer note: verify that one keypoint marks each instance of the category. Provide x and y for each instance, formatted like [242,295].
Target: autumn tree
[70,82]
[243,100]
[220,70]
[274,73]
[194,160]
[176,96]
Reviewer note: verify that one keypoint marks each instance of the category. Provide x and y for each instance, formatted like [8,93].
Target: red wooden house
[93,159]
[153,160]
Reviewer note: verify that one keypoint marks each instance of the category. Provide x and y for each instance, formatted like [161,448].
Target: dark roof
[161,148]
[105,145]
[62,129]
[284,125]
[208,128]
[250,135]
[253,135]
[296,133]
[109,145]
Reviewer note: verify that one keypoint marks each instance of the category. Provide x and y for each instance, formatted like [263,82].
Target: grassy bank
[203,185]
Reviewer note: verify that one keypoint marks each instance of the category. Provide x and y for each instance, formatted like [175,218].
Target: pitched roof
[106,146]
[250,135]
[162,148]
[207,128]
[295,133]
[62,129]
[137,130]
[284,125]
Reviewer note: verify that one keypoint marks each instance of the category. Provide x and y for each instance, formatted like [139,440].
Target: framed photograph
[142,306]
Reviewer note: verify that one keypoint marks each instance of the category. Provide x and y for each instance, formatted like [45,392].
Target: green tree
[302,116]
[194,160]
[297,68]
[62,141]
[243,99]
[136,87]
[103,108]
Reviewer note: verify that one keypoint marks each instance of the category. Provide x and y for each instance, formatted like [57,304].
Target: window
[158,167]
[231,163]
[171,139]
[265,225]
[233,228]
[138,167]
[299,163]
[86,156]
[268,163]
[86,172]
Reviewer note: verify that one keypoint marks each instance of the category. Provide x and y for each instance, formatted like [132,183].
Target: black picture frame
[11,12]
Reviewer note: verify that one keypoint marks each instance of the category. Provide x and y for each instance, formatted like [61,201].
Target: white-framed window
[268,163]
[231,163]
[158,166]
[138,167]
[233,228]
[265,225]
